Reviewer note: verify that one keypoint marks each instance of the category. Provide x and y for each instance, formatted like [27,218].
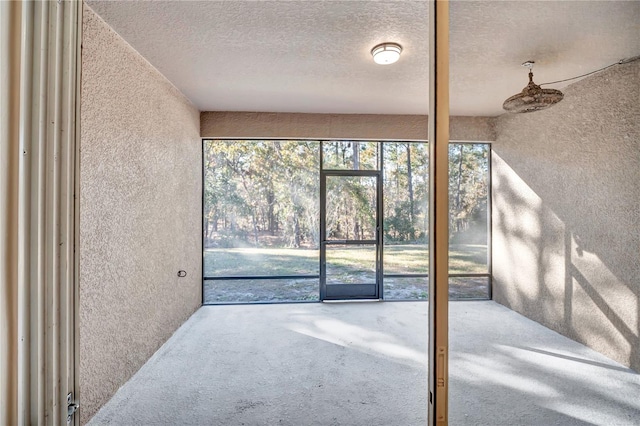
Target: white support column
[10,13]
[39,60]
[24,208]
[438,212]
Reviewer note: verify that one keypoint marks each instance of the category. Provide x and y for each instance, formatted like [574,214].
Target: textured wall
[357,126]
[140,217]
[566,217]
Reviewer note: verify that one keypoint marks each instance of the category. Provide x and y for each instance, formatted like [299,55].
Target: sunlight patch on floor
[355,337]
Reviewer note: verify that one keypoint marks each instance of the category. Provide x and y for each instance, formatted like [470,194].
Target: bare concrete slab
[365,364]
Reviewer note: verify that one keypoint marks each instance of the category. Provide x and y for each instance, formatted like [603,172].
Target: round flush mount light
[386,53]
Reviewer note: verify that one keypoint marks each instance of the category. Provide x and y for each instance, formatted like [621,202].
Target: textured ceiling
[313,56]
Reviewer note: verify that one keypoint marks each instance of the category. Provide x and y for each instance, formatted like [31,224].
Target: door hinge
[72,407]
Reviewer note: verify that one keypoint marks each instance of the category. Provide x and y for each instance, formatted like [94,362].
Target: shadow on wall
[550,273]
[566,219]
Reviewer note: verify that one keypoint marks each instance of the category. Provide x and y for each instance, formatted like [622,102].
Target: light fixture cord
[620,62]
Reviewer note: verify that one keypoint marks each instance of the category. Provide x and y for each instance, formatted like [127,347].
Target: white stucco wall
[231,124]
[140,212]
[566,213]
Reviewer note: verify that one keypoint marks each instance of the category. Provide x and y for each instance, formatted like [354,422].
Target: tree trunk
[397,171]
[270,215]
[458,200]
[410,184]
[255,226]
[296,229]
[356,155]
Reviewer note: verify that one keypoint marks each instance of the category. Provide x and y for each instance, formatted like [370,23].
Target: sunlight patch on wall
[522,227]
[596,287]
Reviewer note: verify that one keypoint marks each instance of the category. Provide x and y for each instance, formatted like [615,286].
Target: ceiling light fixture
[533,97]
[386,53]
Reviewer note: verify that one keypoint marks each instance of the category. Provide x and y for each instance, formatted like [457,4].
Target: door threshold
[336,301]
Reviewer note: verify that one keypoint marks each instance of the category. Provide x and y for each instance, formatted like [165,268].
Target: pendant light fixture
[533,97]
[386,53]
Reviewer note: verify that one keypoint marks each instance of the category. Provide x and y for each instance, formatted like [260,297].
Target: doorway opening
[312,220]
[350,220]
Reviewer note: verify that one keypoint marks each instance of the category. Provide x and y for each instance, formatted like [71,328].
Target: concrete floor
[364,364]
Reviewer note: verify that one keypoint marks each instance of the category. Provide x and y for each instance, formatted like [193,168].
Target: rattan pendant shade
[532,98]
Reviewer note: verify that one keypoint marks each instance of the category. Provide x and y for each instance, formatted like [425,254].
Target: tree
[260,193]
[468,187]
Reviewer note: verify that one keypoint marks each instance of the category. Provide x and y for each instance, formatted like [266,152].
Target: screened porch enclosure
[309,220]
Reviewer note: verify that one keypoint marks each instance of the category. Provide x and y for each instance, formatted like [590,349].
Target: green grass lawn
[352,264]
[398,259]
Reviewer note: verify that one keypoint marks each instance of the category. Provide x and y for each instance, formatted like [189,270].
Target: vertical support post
[490,220]
[10,27]
[438,211]
[323,226]
[380,224]
[25,179]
